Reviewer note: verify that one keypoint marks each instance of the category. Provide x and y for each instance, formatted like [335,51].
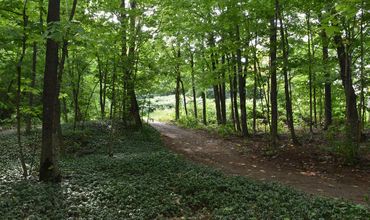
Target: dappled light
[186,109]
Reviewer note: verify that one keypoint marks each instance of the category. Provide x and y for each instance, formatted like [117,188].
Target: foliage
[145,181]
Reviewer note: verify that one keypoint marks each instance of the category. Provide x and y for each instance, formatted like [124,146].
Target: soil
[306,167]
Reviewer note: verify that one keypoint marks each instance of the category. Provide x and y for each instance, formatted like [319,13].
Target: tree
[288,100]
[49,170]
[273,67]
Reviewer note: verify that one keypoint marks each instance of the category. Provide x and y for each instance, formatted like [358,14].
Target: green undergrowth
[145,181]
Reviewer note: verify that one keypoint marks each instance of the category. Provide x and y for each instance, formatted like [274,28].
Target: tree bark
[19,92]
[184,97]
[57,113]
[325,62]
[309,54]
[255,85]
[216,90]
[49,170]
[352,124]
[273,92]
[362,108]
[235,95]
[33,85]
[204,108]
[102,90]
[288,99]
[177,92]
[230,70]
[124,60]
[223,92]
[242,81]
[193,84]
[113,103]
[134,107]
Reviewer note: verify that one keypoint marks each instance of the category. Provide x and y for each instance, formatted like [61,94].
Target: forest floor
[302,167]
[145,180]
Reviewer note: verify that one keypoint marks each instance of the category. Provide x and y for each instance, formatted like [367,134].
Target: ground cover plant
[143,180]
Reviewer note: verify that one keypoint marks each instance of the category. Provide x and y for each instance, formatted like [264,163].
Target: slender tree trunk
[102,88]
[177,98]
[230,70]
[273,94]
[255,70]
[310,70]
[33,85]
[232,101]
[288,99]
[124,60]
[325,62]
[19,81]
[57,113]
[76,101]
[49,170]
[223,92]
[193,84]
[204,108]
[113,103]
[362,107]
[242,81]
[265,94]
[217,104]
[216,83]
[177,92]
[314,87]
[184,97]
[235,96]
[34,69]
[65,110]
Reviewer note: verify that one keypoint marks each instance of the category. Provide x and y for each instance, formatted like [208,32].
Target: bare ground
[236,156]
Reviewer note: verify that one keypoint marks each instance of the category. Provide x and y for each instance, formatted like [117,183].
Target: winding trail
[204,148]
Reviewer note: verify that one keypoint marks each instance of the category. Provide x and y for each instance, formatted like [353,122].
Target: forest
[186,109]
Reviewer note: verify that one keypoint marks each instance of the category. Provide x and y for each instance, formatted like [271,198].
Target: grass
[145,181]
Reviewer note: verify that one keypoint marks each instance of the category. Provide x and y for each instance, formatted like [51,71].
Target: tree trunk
[177,92]
[352,124]
[273,92]
[177,98]
[57,113]
[362,108]
[113,103]
[255,87]
[76,101]
[102,83]
[288,99]
[242,81]
[223,93]
[18,99]
[49,170]
[124,60]
[310,70]
[184,97]
[193,84]
[232,101]
[325,62]
[65,110]
[134,107]
[216,83]
[33,85]
[204,108]
[235,96]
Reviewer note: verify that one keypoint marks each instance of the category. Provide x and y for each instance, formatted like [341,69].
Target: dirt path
[202,147]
